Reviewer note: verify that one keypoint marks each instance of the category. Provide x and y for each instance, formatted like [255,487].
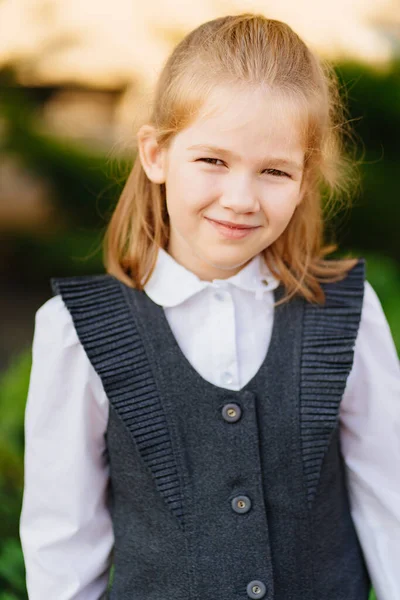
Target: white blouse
[223,328]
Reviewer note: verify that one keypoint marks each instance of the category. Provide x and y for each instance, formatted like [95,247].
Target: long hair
[245,50]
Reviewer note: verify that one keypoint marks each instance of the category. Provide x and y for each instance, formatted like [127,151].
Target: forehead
[261,119]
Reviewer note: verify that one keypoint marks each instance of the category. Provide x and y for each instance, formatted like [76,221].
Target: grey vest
[217,494]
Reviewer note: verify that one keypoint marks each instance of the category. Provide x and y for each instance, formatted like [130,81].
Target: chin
[226,265]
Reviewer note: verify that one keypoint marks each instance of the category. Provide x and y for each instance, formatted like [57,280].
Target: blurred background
[74,77]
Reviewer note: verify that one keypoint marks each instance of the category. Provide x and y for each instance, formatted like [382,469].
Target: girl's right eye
[207,160]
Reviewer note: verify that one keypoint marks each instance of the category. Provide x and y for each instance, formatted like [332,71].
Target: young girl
[218,415]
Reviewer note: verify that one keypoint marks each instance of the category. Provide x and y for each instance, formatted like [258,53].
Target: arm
[65,527]
[370,439]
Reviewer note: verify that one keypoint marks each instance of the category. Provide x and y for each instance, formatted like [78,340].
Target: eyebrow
[271,160]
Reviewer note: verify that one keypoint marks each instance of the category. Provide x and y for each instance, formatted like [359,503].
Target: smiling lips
[231,230]
[233,225]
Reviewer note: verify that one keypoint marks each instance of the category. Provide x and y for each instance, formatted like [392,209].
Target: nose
[240,196]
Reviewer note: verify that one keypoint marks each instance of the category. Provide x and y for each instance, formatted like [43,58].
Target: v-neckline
[143,304]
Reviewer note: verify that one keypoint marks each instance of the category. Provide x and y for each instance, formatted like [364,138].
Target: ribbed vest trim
[104,324]
[329,336]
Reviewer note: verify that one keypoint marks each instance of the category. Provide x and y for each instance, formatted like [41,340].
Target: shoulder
[373,318]
[372,306]
[54,324]
[344,274]
[347,285]
[375,375]
[81,308]
[81,282]
[375,349]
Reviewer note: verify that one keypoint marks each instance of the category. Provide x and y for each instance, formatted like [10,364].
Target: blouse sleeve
[65,526]
[370,440]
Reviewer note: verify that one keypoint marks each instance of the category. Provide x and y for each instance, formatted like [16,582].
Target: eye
[208,160]
[277,173]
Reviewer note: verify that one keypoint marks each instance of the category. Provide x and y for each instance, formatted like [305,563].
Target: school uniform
[210,445]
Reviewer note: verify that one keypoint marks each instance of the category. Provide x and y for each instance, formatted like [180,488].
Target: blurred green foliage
[373,100]
[87,186]
[13,393]
[384,275]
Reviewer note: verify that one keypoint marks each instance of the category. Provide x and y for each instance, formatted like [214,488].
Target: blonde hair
[250,50]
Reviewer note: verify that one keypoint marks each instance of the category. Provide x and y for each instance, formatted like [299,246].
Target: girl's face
[242,165]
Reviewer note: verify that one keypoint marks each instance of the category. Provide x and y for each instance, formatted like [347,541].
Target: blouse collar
[171,283]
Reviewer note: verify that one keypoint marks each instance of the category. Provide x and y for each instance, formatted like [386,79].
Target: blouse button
[231,412]
[227,377]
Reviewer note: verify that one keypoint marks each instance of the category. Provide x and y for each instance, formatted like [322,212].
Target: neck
[205,271]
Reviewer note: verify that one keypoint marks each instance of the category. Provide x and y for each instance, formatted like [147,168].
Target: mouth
[231,231]
[232,225]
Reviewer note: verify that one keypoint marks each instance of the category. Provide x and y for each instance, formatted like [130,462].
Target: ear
[151,155]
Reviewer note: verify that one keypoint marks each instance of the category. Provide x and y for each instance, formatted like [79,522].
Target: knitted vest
[220,494]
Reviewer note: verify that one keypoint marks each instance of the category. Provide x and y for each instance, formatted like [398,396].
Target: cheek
[185,206]
[190,191]
[280,206]
[188,208]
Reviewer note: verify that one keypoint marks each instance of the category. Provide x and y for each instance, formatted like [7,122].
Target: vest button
[256,589]
[241,504]
[231,412]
